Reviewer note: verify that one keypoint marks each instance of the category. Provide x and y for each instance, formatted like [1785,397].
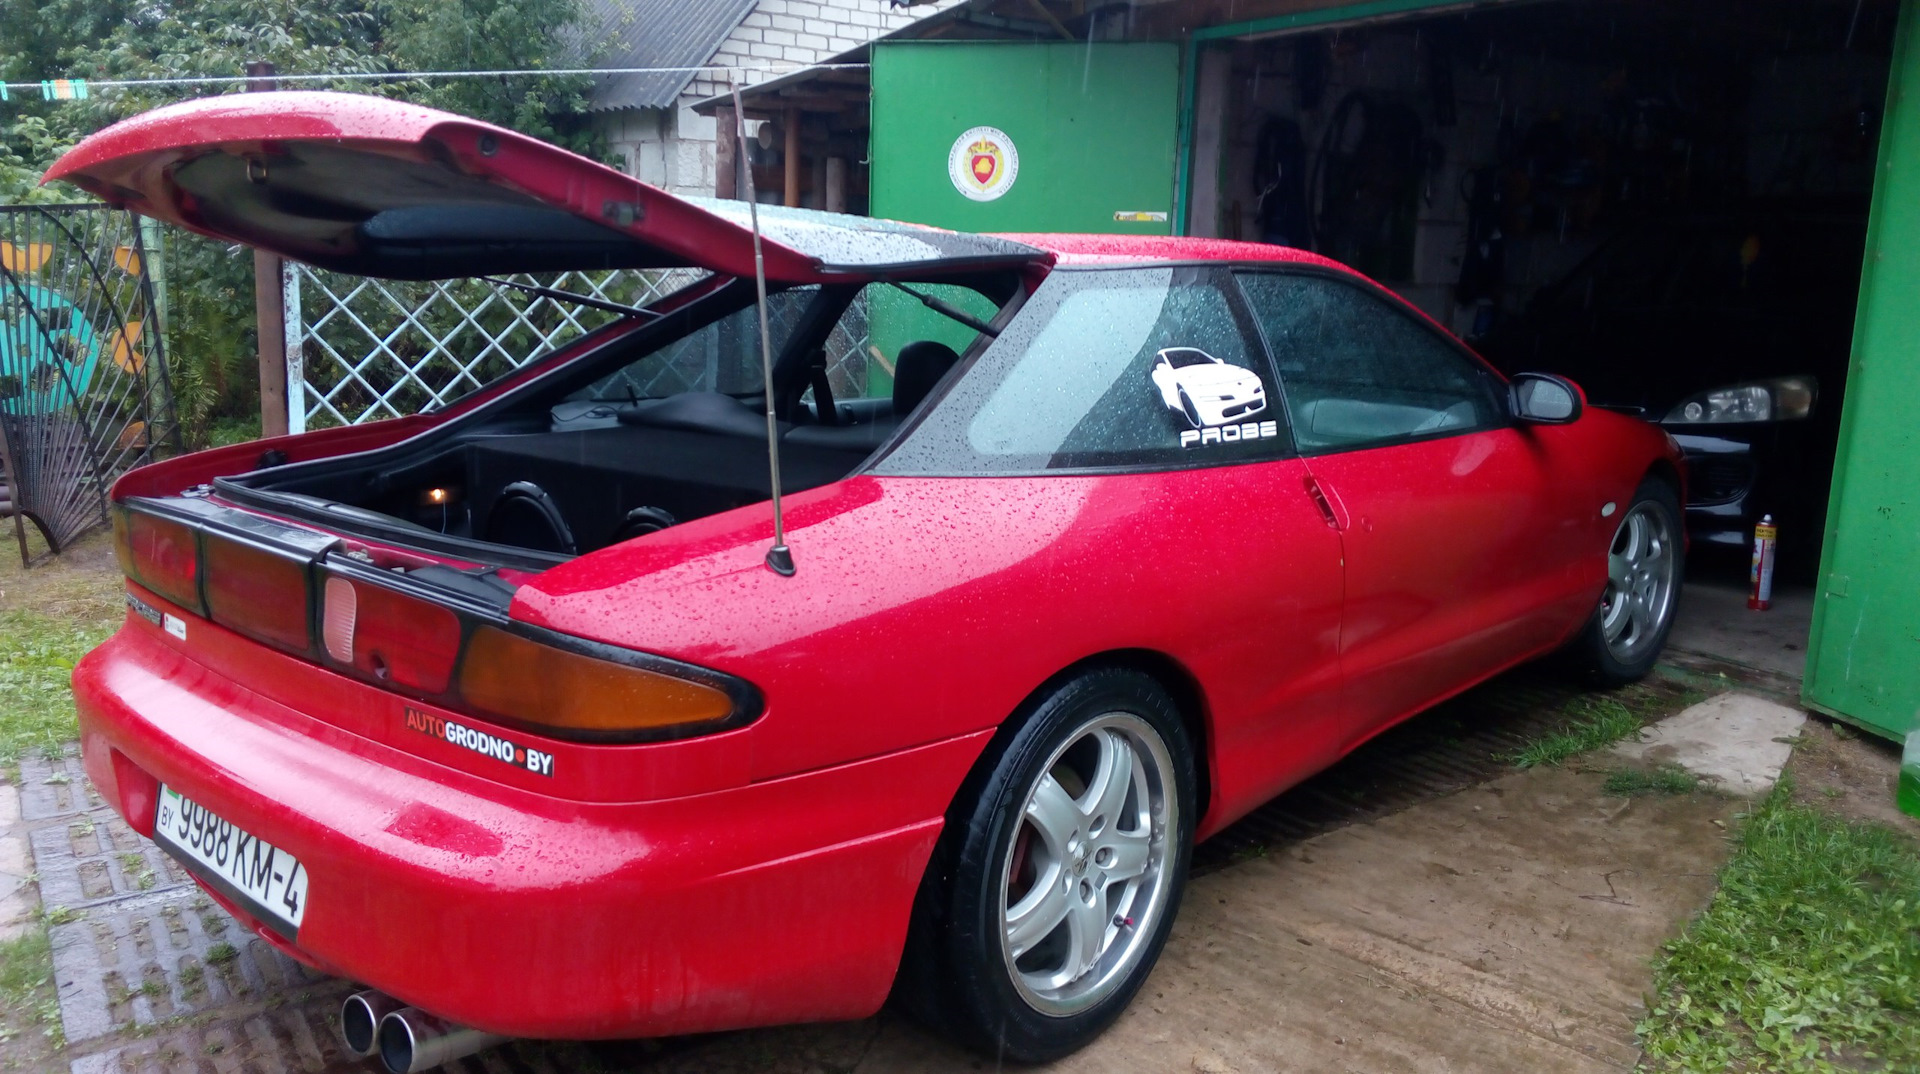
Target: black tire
[1607,662]
[956,975]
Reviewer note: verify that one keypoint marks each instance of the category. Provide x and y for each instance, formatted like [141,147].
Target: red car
[501,710]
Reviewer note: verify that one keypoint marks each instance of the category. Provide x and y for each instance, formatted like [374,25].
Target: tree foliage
[212,333]
[116,40]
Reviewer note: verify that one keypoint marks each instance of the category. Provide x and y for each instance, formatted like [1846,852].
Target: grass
[224,431]
[37,654]
[1599,721]
[50,615]
[26,985]
[1807,959]
[1637,783]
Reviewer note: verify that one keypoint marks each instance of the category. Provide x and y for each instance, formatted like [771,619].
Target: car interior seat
[917,370]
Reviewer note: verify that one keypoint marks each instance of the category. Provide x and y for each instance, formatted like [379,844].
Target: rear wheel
[1058,879]
[1629,628]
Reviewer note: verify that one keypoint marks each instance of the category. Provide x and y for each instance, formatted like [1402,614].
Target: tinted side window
[1358,372]
[1133,367]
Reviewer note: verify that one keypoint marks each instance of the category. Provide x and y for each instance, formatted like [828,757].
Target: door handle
[1330,506]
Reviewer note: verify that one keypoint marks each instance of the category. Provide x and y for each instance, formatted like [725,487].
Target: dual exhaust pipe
[407,1040]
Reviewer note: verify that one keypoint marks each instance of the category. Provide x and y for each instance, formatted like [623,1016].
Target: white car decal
[1205,390]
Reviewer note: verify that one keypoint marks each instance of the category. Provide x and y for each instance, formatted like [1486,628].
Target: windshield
[723,356]
[1182,357]
[524,320]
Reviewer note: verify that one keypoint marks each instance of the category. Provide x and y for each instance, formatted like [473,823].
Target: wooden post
[269,306]
[836,199]
[726,162]
[792,155]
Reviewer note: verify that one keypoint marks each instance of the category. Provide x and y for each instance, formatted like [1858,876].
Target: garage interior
[1660,199]
[1654,198]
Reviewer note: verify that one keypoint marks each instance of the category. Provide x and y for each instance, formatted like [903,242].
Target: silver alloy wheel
[1089,869]
[1639,598]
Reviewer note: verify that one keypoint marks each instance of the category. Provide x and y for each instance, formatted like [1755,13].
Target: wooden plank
[269,306]
[790,158]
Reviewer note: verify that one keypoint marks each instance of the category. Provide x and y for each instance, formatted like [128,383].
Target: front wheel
[1057,882]
[1629,628]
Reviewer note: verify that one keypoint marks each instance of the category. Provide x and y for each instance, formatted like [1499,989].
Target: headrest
[919,367]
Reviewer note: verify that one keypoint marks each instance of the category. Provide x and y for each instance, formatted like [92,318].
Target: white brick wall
[674,148]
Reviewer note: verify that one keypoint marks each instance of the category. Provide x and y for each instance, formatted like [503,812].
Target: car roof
[1081,249]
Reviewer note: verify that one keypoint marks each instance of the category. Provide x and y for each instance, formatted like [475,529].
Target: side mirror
[1545,399]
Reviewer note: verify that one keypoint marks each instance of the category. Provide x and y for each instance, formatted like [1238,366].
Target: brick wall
[674,148]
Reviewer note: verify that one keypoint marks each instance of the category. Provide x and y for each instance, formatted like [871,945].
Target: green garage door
[1015,136]
[1864,658]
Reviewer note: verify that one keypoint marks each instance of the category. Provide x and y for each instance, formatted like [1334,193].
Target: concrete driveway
[1503,927]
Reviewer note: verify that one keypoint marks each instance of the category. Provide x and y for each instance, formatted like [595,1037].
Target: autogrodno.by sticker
[484,743]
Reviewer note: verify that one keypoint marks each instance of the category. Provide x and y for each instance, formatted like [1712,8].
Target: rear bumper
[529,915]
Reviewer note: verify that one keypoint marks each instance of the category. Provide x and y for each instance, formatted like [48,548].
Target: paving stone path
[1497,926]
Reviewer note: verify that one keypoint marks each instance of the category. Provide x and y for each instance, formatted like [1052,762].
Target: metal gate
[84,394]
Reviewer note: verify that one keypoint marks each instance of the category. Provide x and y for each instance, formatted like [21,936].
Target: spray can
[1766,544]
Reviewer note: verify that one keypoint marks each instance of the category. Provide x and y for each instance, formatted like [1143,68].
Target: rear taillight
[257,593]
[390,637]
[523,681]
[401,638]
[159,555]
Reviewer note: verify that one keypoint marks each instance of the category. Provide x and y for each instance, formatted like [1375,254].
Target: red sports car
[501,710]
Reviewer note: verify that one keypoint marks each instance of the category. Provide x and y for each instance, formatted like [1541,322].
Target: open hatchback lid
[375,187]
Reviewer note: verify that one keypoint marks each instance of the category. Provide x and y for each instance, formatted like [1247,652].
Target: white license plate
[266,879]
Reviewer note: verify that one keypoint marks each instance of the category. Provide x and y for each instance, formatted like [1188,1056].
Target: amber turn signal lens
[159,555]
[257,593]
[509,676]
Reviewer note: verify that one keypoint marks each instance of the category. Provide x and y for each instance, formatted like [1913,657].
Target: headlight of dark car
[1780,399]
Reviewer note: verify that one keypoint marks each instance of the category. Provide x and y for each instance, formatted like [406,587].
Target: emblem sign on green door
[1018,136]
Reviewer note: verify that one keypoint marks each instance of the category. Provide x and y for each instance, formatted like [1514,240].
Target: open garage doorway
[1665,200]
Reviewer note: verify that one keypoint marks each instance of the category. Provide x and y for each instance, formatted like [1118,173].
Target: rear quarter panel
[925,608]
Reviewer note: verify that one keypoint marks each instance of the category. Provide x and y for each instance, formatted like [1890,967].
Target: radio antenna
[779,557]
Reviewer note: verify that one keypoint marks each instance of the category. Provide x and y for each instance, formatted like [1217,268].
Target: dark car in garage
[1732,331]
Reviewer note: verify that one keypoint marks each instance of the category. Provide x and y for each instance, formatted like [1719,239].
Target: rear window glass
[1109,368]
[864,347]
[723,356]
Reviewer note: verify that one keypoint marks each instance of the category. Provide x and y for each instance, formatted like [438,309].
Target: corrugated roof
[653,33]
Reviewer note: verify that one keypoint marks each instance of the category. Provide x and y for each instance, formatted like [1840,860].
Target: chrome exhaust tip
[411,1040]
[360,1021]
